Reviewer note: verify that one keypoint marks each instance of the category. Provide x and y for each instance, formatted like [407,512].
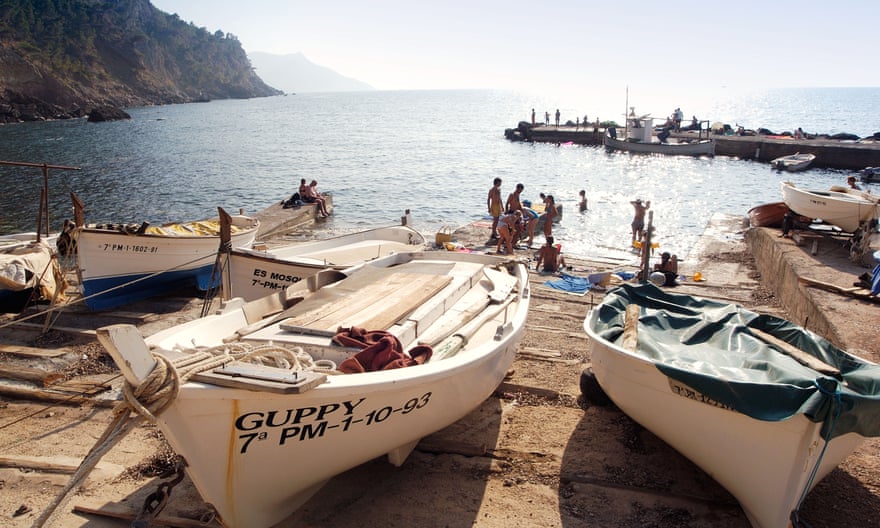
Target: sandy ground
[534,454]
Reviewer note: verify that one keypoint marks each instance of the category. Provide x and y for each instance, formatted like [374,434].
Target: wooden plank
[57,464]
[33,375]
[115,510]
[376,306]
[21,350]
[25,393]
[801,356]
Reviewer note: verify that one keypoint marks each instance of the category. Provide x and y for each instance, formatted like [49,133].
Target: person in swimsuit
[550,213]
[493,203]
[514,204]
[507,228]
[638,223]
[317,198]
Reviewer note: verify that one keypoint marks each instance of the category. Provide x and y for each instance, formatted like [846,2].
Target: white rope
[160,388]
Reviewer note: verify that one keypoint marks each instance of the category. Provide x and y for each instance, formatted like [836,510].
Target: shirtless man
[316,197]
[550,256]
[493,203]
[638,223]
[514,204]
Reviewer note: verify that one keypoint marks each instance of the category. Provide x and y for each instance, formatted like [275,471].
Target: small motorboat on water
[765,407]
[703,147]
[260,440]
[794,162]
[840,206]
[252,273]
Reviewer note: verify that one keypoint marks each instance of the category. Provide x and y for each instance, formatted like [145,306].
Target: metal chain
[156,501]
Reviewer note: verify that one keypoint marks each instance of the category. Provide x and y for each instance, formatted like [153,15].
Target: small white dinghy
[794,162]
[260,440]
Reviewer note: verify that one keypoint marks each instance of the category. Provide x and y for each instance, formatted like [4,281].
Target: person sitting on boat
[664,134]
[550,255]
[669,267]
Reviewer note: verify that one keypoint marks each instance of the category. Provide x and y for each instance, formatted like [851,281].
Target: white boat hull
[252,274]
[257,456]
[766,465]
[837,207]
[110,261]
[793,163]
[704,147]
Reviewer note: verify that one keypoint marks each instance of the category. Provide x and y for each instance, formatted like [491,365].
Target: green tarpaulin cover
[708,345]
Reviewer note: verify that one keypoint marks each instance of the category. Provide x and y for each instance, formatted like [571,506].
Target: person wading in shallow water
[638,223]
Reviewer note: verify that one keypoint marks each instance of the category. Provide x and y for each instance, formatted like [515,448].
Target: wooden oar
[502,285]
[801,356]
[454,343]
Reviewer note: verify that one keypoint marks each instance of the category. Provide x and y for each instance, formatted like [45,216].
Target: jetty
[830,153]
[534,454]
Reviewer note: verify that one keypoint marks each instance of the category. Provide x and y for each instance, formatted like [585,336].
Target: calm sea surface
[434,152]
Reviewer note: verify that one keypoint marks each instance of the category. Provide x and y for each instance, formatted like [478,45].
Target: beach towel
[570,284]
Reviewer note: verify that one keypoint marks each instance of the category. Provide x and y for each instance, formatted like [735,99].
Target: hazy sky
[562,45]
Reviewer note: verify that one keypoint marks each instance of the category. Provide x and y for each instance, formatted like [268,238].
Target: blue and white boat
[120,264]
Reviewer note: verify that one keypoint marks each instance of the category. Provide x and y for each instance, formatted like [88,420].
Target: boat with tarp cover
[765,407]
[414,342]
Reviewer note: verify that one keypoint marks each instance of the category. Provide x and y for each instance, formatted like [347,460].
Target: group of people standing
[513,220]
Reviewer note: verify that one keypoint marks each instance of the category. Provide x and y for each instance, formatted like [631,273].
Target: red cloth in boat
[381,350]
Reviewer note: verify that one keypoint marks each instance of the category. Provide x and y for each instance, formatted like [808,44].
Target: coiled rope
[160,388]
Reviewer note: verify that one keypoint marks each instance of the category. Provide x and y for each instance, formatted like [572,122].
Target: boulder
[107,113]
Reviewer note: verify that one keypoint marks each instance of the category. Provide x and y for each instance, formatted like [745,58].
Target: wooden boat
[259,441]
[767,215]
[840,206]
[253,273]
[703,147]
[118,264]
[794,162]
[765,407]
[29,271]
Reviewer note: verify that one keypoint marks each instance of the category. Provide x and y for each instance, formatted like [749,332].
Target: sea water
[432,152]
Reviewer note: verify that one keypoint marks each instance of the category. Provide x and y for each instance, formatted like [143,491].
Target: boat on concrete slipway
[840,206]
[416,341]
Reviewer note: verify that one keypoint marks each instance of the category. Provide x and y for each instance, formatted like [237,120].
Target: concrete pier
[830,153]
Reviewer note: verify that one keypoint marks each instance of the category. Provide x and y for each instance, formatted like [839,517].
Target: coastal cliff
[62,58]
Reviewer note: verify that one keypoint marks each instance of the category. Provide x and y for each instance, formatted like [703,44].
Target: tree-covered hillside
[60,58]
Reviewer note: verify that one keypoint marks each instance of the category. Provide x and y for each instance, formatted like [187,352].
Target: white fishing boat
[794,162]
[253,273]
[840,206]
[29,271]
[119,263]
[260,440]
[765,407]
[674,147]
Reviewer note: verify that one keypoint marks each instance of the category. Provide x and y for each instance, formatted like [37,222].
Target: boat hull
[768,215]
[704,378]
[253,274]
[118,268]
[704,147]
[837,207]
[28,271]
[257,456]
[794,162]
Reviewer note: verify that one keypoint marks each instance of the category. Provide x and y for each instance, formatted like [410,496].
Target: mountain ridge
[293,72]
